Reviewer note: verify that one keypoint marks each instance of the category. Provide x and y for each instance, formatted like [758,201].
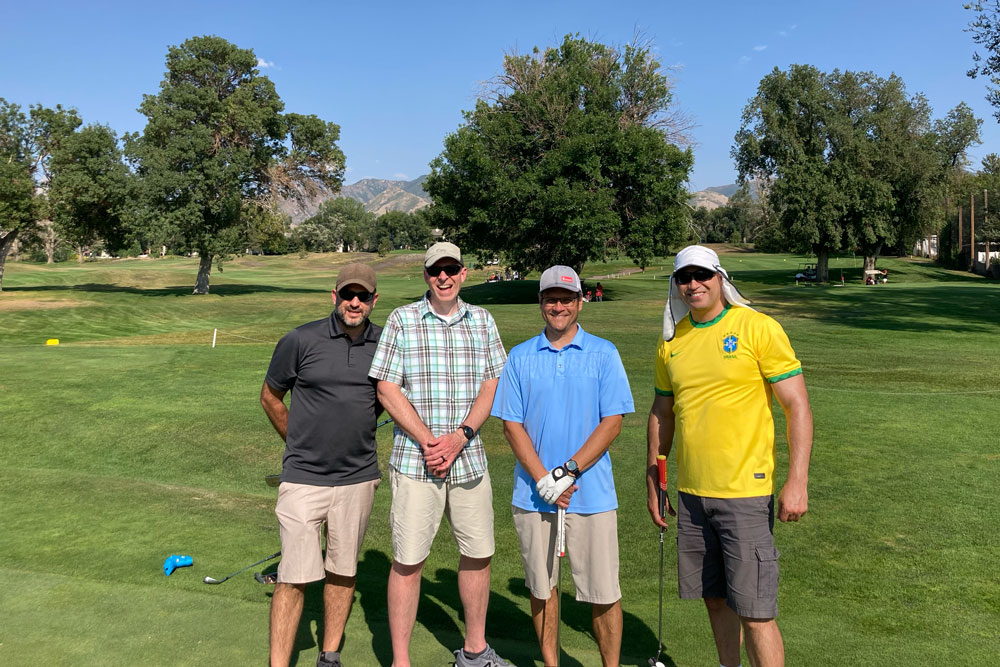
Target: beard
[350,319]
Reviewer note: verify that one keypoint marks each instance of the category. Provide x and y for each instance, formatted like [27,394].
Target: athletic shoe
[328,659]
[487,658]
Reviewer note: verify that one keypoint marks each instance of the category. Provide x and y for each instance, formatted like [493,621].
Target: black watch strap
[468,431]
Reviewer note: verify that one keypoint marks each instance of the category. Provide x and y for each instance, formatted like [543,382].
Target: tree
[90,189]
[26,144]
[397,229]
[217,152]
[985,29]
[569,160]
[340,224]
[852,161]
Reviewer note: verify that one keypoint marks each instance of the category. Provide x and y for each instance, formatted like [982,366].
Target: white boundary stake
[215,332]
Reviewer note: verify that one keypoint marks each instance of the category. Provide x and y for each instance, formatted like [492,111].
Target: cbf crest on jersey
[730,343]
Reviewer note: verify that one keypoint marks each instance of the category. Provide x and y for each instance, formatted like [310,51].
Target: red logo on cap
[566,279]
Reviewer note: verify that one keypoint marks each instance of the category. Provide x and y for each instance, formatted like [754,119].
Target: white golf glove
[554,484]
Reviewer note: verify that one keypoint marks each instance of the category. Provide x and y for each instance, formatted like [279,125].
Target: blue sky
[396,76]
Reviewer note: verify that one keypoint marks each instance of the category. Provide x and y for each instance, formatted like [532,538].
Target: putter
[661,501]
[275,480]
[560,552]
[210,580]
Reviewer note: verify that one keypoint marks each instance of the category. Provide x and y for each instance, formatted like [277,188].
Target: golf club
[210,580]
[560,552]
[275,480]
[661,503]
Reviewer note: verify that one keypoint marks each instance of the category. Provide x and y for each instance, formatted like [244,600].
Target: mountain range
[380,195]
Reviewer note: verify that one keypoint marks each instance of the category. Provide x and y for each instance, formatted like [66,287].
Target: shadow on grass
[638,639]
[218,290]
[945,308]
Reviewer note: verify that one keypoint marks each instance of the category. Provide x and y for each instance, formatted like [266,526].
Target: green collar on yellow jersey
[702,325]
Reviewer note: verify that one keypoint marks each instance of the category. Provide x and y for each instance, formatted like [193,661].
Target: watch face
[469,433]
[572,467]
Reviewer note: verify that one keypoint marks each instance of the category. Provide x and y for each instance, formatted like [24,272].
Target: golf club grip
[661,471]
[561,532]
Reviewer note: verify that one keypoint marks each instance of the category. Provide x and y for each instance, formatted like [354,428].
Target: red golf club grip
[661,469]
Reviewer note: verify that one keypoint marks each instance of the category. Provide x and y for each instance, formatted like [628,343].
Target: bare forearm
[402,412]
[524,449]
[800,435]
[598,442]
[480,410]
[275,409]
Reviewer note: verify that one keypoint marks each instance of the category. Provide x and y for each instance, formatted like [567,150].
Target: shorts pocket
[767,571]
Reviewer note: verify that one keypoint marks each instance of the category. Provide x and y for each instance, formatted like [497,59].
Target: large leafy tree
[91,188]
[340,224]
[570,158]
[217,151]
[985,29]
[26,145]
[852,161]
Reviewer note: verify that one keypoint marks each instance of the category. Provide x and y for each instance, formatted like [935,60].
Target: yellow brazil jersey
[719,374]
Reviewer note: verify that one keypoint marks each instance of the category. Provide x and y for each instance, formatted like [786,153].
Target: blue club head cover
[173,562]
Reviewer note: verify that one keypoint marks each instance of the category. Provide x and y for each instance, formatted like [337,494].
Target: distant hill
[727,190]
[709,198]
[378,196]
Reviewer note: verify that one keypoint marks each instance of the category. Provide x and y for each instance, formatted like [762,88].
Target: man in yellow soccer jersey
[717,367]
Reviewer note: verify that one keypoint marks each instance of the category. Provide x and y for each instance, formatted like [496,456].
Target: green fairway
[135,439]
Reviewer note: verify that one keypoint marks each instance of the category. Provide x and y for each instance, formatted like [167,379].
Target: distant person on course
[330,469]
[437,367]
[716,369]
[561,396]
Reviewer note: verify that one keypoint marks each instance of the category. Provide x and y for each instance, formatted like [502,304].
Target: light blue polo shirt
[560,396]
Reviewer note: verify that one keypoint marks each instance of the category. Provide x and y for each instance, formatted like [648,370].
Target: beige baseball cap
[442,250]
[357,274]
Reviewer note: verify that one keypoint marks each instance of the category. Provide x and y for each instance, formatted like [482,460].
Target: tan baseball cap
[357,274]
[442,250]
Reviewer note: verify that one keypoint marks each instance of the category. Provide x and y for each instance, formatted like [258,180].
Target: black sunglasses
[348,295]
[449,270]
[701,275]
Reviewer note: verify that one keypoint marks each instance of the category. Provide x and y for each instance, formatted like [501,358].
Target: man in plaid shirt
[437,366]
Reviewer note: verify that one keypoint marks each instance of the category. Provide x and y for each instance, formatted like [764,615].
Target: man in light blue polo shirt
[561,397]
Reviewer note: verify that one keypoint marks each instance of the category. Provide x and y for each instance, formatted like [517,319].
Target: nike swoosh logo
[674,354]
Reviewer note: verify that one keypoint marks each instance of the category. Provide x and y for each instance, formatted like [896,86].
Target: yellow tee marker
[52,341]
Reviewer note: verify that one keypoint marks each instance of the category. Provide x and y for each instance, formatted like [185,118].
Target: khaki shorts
[591,545]
[301,511]
[417,508]
[725,549]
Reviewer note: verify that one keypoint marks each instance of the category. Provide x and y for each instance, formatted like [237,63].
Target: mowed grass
[134,439]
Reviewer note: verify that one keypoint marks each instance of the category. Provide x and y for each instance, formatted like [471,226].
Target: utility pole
[986,226]
[960,232]
[972,232]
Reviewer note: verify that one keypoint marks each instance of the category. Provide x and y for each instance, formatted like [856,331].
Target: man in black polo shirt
[330,469]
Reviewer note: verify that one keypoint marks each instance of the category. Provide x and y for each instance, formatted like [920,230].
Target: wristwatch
[572,468]
[468,431]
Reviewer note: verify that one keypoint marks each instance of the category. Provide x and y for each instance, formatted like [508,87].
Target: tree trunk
[15,249]
[79,254]
[204,273]
[822,265]
[5,243]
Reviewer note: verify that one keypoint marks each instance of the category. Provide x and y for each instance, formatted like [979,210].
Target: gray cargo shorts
[725,549]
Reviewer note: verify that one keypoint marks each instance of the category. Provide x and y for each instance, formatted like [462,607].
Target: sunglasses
[549,301]
[348,295]
[449,270]
[701,275]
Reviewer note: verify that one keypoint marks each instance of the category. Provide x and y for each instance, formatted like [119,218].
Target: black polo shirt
[333,412]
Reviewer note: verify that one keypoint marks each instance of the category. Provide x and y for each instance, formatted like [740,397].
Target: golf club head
[210,580]
[266,577]
[272,480]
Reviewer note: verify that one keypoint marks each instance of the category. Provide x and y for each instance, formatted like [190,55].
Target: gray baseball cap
[442,250]
[559,276]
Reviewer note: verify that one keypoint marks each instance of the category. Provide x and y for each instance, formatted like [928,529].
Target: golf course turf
[134,439]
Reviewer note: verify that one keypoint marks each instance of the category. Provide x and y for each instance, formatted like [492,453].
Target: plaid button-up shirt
[440,364]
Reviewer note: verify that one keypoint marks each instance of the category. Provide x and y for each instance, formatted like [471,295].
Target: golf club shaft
[560,552]
[211,580]
[661,493]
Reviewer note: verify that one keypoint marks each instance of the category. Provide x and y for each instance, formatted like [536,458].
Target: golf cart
[807,272]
